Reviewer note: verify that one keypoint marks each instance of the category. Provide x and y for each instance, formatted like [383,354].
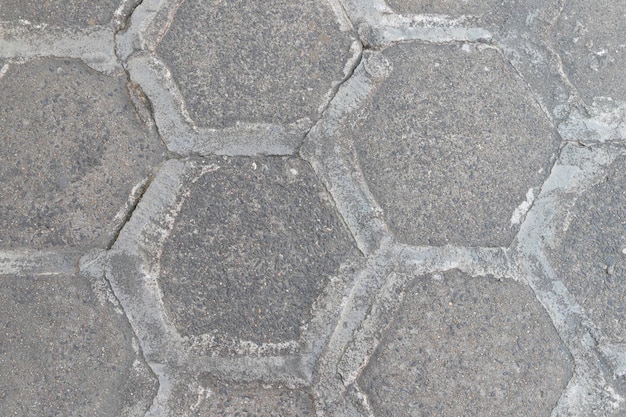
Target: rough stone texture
[590,257]
[270,62]
[73,13]
[523,31]
[72,150]
[446,7]
[253,246]
[467,346]
[249,258]
[590,41]
[450,144]
[62,352]
[207,397]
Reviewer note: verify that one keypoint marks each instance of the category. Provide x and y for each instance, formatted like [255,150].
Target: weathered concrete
[591,44]
[598,219]
[72,13]
[279,221]
[75,155]
[444,7]
[275,62]
[450,145]
[65,350]
[463,345]
[204,395]
[333,208]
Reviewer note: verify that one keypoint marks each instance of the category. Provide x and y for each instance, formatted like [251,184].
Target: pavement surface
[314,208]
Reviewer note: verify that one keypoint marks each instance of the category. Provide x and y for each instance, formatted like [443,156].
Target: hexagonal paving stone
[467,346]
[251,249]
[64,353]
[73,13]
[591,252]
[446,7]
[590,41]
[205,397]
[450,145]
[73,148]
[271,62]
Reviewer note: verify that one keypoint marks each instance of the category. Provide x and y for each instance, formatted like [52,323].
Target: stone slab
[590,41]
[590,253]
[451,144]
[60,13]
[64,352]
[252,247]
[274,62]
[73,149]
[467,346]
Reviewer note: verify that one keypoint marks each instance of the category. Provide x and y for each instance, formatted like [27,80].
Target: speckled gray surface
[590,256]
[446,7]
[65,352]
[252,247]
[467,346]
[450,145]
[73,13]
[593,54]
[348,208]
[73,149]
[239,62]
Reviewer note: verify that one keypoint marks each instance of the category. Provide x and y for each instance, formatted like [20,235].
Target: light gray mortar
[379,25]
[94,45]
[40,263]
[332,155]
[591,388]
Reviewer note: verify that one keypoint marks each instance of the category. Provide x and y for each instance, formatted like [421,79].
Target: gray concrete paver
[68,29]
[467,346]
[271,320]
[73,149]
[64,352]
[239,62]
[345,178]
[522,31]
[591,45]
[597,385]
[73,13]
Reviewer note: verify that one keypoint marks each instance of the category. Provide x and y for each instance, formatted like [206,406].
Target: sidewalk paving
[328,207]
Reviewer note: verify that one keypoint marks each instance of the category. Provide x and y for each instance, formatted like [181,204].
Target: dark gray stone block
[63,353]
[452,8]
[61,13]
[253,246]
[467,346]
[205,396]
[450,145]
[72,150]
[269,62]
